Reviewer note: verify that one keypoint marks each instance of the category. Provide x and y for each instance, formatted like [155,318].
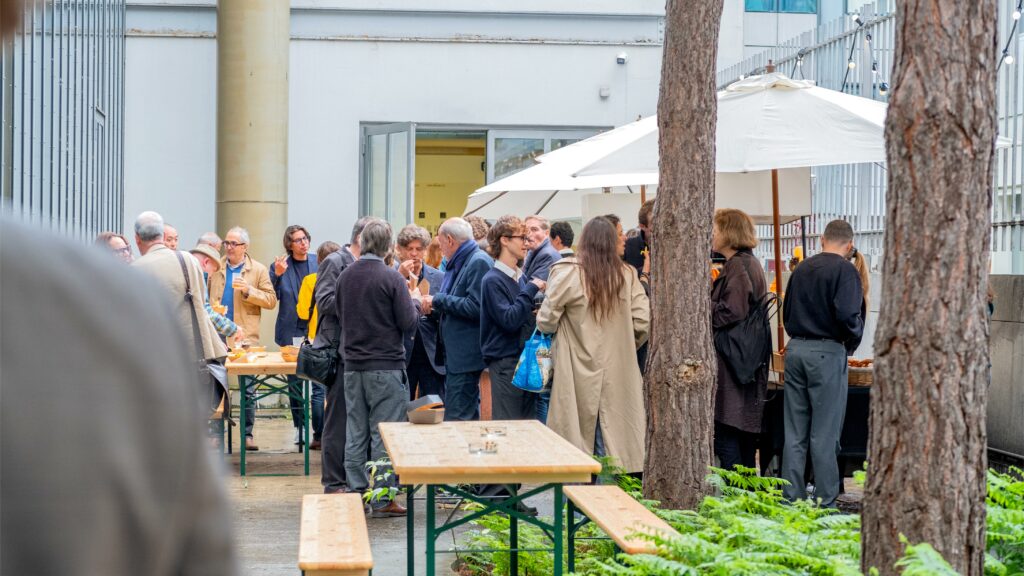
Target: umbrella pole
[778,250]
[643,193]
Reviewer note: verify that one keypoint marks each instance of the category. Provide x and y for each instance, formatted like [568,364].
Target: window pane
[760,5]
[398,166]
[560,142]
[378,175]
[514,154]
[800,6]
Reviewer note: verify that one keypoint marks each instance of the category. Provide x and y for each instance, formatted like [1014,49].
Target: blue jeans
[543,403]
[462,395]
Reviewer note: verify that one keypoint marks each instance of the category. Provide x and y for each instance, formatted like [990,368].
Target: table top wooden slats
[272,363]
[620,516]
[529,453]
[333,537]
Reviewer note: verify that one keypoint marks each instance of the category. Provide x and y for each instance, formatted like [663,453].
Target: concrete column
[252,121]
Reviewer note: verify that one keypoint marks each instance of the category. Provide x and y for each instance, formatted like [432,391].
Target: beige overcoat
[261,295]
[595,363]
[161,263]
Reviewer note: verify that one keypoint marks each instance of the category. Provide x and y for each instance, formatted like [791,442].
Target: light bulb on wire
[851,64]
[1008,58]
[1016,14]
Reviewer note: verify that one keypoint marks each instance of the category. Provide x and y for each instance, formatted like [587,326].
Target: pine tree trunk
[927,449]
[681,369]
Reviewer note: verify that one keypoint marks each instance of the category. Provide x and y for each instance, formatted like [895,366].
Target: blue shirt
[228,298]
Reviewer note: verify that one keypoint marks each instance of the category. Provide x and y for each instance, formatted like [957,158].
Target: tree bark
[681,369]
[927,449]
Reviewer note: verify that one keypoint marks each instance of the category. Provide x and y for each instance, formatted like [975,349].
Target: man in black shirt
[823,312]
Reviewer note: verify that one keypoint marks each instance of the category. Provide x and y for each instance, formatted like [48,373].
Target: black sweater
[824,300]
[375,311]
[505,307]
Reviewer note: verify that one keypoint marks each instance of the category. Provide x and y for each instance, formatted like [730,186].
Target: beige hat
[207,251]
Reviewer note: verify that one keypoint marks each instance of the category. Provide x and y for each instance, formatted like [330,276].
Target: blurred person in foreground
[123,485]
[375,312]
[458,305]
[506,305]
[426,374]
[243,286]
[328,335]
[823,313]
[739,406]
[115,244]
[600,315]
[286,276]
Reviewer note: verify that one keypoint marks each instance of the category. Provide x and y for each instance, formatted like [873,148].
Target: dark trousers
[422,376]
[462,395]
[332,454]
[507,401]
[372,397]
[734,446]
[815,405]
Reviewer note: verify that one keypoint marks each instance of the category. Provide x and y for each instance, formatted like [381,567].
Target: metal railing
[62,104]
[855,55]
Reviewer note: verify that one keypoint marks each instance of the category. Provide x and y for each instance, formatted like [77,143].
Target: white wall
[338,83]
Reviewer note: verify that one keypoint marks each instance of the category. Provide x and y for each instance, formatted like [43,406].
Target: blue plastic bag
[534,370]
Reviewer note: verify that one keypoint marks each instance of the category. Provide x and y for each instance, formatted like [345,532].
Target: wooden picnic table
[269,371]
[437,456]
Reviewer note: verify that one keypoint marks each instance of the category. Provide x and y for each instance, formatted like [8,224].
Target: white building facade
[394,110]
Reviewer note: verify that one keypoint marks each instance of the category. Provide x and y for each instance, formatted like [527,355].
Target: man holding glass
[243,286]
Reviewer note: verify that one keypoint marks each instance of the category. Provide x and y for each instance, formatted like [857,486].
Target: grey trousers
[371,397]
[507,401]
[815,405]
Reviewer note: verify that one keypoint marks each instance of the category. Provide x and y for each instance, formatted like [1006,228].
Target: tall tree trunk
[926,454]
[681,369]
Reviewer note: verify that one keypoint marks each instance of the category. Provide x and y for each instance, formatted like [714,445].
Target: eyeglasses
[520,236]
[121,251]
[231,244]
[300,240]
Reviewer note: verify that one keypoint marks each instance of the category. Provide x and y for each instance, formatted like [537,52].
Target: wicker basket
[860,376]
[779,362]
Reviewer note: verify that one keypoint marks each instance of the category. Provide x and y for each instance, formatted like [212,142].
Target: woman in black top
[738,407]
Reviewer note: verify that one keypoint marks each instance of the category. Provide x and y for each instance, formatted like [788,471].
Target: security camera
[621,58]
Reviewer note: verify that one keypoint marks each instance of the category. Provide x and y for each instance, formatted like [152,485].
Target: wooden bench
[618,514]
[333,540]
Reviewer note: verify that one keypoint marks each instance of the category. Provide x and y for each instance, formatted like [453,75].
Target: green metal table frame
[507,506]
[272,384]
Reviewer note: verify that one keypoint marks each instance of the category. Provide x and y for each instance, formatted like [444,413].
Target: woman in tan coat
[600,315]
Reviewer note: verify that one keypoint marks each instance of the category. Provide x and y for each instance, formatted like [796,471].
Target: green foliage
[747,528]
[380,473]
[1005,523]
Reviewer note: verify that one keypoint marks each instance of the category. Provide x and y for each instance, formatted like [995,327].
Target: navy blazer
[426,330]
[539,261]
[460,315]
[289,325]
[328,330]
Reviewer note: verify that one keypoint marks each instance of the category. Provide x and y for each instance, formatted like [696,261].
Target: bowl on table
[428,409]
[289,353]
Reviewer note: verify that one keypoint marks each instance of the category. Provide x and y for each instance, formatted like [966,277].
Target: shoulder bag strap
[196,338]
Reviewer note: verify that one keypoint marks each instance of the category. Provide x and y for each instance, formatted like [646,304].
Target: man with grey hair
[458,305]
[824,315]
[375,310]
[149,231]
[426,374]
[328,334]
[243,286]
[210,239]
[541,253]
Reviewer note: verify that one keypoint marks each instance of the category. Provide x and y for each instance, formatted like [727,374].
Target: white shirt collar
[514,274]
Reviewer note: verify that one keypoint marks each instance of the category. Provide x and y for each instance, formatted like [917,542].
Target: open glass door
[389,172]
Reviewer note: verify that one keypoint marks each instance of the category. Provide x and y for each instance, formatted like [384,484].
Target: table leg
[559,515]
[571,547]
[243,388]
[410,531]
[306,394]
[430,530]
[513,539]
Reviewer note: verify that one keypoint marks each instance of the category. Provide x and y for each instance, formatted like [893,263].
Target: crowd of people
[405,325]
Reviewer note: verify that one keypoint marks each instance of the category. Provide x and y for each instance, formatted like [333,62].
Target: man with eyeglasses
[243,285]
[286,276]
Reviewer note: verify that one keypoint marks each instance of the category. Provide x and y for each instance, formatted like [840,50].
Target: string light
[1016,14]
[1007,57]
[851,64]
[883,88]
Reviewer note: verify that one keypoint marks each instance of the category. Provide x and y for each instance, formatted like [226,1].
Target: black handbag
[319,365]
[746,346]
[209,382]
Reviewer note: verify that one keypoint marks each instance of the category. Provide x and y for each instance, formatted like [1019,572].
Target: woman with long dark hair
[600,315]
